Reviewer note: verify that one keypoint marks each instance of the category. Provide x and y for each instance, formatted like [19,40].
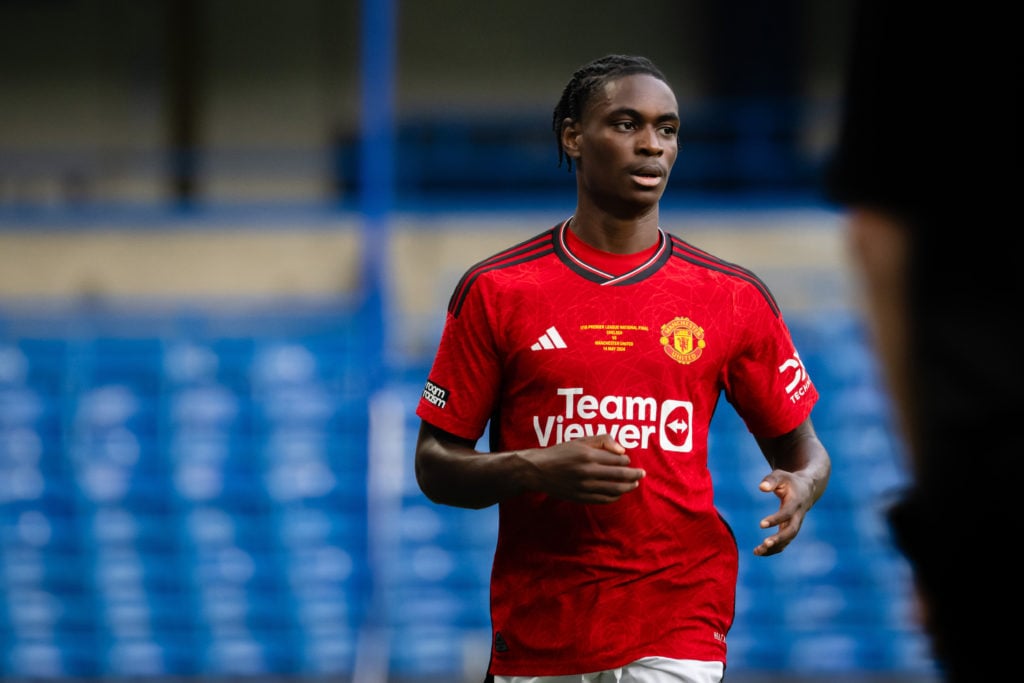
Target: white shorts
[644,670]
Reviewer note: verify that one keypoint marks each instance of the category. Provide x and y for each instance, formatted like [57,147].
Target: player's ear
[571,132]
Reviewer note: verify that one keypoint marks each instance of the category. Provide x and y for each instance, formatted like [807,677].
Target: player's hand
[592,469]
[795,493]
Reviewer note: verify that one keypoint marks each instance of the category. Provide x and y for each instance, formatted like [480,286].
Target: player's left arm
[800,472]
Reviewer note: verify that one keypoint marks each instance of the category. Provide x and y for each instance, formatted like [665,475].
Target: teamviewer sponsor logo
[633,421]
[549,340]
[674,433]
[436,394]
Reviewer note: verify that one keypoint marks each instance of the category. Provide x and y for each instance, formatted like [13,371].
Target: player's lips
[648,175]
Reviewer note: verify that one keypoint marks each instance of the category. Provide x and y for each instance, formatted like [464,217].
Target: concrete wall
[798,252]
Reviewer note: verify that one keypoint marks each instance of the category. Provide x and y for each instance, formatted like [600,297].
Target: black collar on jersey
[594,274]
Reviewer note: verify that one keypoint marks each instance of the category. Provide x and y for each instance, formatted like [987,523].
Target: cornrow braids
[587,80]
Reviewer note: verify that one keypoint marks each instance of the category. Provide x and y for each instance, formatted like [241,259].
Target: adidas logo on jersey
[549,340]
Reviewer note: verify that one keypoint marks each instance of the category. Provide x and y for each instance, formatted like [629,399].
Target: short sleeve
[766,380]
[461,390]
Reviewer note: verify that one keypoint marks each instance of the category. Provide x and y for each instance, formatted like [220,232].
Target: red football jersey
[549,348]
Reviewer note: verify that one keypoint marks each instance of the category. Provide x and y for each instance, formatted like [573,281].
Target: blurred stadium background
[228,231]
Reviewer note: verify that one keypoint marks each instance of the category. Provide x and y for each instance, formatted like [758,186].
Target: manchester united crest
[683,340]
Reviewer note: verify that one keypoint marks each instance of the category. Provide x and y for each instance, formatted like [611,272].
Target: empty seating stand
[181,502]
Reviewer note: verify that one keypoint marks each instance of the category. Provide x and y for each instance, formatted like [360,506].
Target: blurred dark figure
[923,167]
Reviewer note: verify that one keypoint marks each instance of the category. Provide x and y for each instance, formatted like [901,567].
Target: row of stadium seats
[730,146]
[195,504]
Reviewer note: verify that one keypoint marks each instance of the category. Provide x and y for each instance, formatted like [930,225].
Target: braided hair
[587,80]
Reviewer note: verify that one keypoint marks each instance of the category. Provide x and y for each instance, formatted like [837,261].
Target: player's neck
[614,264]
[615,235]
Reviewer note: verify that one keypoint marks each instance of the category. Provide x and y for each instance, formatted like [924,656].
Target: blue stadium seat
[434,651]
[326,566]
[39,363]
[248,653]
[73,656]
[324,607]
[160,655]
[307,528]
[35,572]
[134,362]
[129,527]
[421,521]
[455,606]
[329,653]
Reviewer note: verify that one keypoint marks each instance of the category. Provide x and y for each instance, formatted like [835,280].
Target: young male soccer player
[598,351]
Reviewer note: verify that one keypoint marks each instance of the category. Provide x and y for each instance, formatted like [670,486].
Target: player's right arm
[451,471]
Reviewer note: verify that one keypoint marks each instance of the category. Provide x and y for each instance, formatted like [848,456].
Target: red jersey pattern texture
[548,348]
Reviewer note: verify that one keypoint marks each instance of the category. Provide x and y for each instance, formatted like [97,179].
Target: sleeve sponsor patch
[435,394]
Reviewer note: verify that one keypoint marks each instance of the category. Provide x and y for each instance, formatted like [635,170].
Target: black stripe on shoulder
[527,250]
[697,256]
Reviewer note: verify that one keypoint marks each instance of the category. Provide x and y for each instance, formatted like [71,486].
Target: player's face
[626,142]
